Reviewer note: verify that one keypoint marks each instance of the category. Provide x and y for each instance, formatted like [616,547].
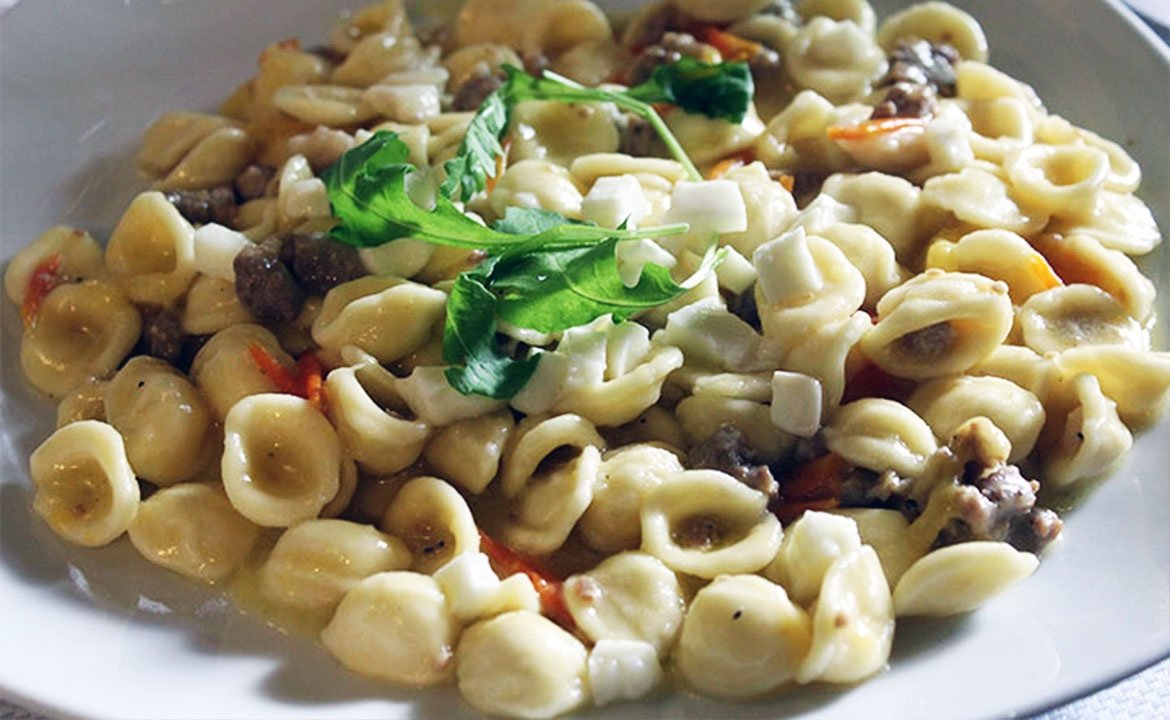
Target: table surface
[1140,696]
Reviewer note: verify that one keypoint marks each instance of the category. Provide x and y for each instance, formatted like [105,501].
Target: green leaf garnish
[722,90]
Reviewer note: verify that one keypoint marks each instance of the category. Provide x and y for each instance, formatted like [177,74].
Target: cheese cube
[615,200]
[788,273]
[622,670]
[708,206]
[796,403]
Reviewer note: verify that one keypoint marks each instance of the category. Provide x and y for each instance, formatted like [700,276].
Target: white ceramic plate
[101,633]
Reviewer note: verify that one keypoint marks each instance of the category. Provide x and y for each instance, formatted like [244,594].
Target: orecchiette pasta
[394,625]
[271,475]
[433,519]
[81,331]
[707,523]
[316,562]
[741,637]
[960,578]
[85,488]
[192,529]
[162,418]
[521,664]
[498,353]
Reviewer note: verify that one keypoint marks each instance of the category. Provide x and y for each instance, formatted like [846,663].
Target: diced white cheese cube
[796,403]
[787,270]
[469,583]
[736,273]
[615,200]
[622,670]
[216,248]
[633,255]
[708,206]
[544,388]
[436,403]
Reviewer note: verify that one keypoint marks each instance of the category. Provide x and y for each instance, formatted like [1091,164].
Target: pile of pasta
[934,307]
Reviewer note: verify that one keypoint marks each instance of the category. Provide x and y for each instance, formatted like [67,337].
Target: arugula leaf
[722,90]
[475,161]
[469,341]
[368,192]
[370,196]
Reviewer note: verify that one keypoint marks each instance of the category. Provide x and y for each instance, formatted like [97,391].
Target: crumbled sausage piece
[200,207]
[252,182]
[999,504]
[264,284]
[923,63]
[673,47]
[637,138]
[784,10]
[471,94]
[727,450]
[907,100]
[319,264]
[162,334]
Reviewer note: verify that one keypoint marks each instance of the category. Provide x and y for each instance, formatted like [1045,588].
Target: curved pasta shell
[225,372]
[468,452]
[702,415]
[535,440]
[825,354]
[468,61]
[434,522]
[810,546]
[947,403]
[1081,259]
[316,562]
[1137,380]
[551,504]
[82,331]
[85,488]
[379,438]
[172,136]
[215,160]
[1094,438]
[631,596]
[1118,221]
[520,664]
[162,418]
[707,523]
[612,522]
[151,252]
[871,254]
[889,204]
[535,183]
[620,400]
[328,105]
[212,305]
[558,132]
[978,197]
[959,578]
[80,257]
[375,56]
[938,324]
[395,626]
[999,255]
[937,22]
[272,475]
[385,316]
[84,402]
[1059,180]
[836,59]
[741,637]
[586,169]
[347,484]
[879,435]
[193,530]
[1075,315]
[804,281]
[853,624]
[885,531]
